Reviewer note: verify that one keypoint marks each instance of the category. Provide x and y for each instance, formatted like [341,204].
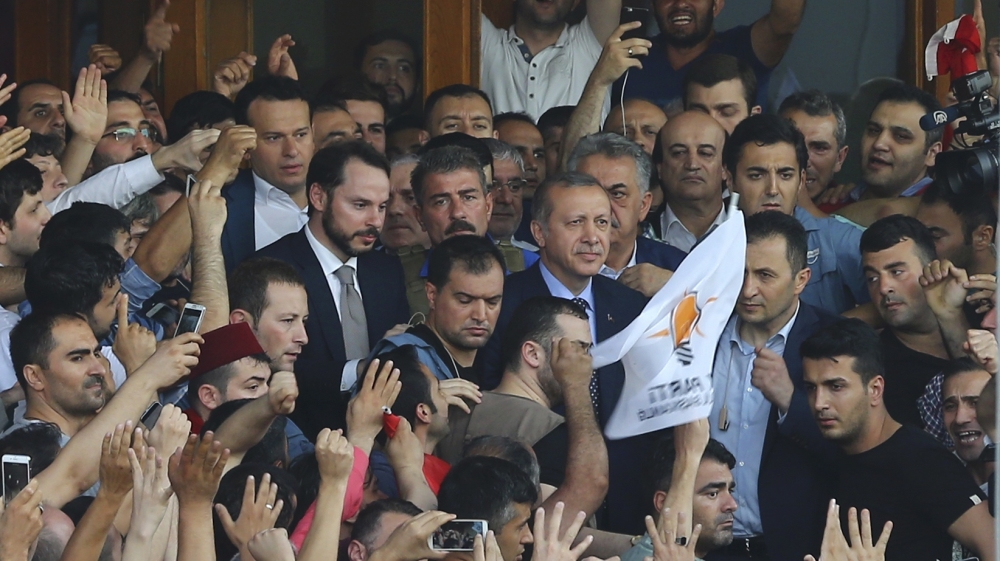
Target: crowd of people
[398,297]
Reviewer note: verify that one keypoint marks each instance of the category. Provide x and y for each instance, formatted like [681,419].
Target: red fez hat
[224,345]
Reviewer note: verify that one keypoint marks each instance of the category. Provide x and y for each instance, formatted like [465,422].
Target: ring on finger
[630,53]
[269,507]
[681,541]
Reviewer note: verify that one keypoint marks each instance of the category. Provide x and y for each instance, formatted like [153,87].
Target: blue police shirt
[837,283]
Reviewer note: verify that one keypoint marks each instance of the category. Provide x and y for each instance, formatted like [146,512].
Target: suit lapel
[322,310]
[239,235]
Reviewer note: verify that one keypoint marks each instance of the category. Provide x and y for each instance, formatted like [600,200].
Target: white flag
[669,349]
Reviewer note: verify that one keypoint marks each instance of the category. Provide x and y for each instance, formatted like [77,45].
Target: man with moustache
[572,224]
[964,381]
[519,130]
[389,61]
[687,33]
[270,200]
[356,294]
[760,412]
[402,229]
[541,61]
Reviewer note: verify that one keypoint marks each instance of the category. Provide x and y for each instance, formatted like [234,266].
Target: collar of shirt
[562,41]
[613,274]
[559,290]
[808,221]
[777,341]
[327,260]
[911,191]
[684,239]
[266,194]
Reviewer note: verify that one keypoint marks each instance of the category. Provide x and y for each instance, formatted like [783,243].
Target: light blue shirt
[834,255]
[558,290]
[748,412]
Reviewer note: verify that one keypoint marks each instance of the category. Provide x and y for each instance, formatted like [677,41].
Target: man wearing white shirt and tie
[356,295]
[270,200]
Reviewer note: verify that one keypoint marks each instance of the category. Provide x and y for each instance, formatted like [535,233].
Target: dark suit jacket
[616,306]
[320,367]
[658,253]
[794,484]
[238,237]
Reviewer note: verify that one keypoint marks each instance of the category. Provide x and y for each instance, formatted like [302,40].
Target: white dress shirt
[517,81]
[676,234]
[613,274]
[275,214]
[330,263]
[559,290]
[114,186]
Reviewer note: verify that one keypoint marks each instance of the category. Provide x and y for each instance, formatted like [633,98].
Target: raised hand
[646,278]
[208,209]
[944,287]
[271,545]
[21,522]
[5,91]
[116,472]
[378,391]
[158,33]
[87,113]
[457,392]
[335,456]
[231,147]
[233,74]
[486,550]
[171,431]
[667,545]
[549,546]
[151,490]
[409,542]
[279,62]
[571,363]
[105,58]
[134,344]
[616,58]
[861,548]
[982,348]
[259,512]
[11,143]
[186,152]
[195,470]
[404,449]
[984,297]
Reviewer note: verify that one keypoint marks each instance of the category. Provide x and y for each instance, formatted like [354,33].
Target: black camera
[974,169]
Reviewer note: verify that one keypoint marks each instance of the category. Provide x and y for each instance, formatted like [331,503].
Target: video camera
[978,167]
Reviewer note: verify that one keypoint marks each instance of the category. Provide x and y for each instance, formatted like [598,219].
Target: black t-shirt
[465,372]
[907,373]
[552,450]
[916,483]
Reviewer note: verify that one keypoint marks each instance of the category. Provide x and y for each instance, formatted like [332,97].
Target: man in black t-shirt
[897,472]
[894,252]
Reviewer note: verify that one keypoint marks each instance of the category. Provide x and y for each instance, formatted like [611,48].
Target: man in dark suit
[761,413]
[625,170]
[355,294]
[269,200]
[572,224]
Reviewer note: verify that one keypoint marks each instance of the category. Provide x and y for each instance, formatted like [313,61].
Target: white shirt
[676,234]
[330,263]
[613,274]
[8,379]
[275,214]
[559,290]
[555,76]
[114,186]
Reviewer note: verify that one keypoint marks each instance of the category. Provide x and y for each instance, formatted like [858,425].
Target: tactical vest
[512,256]
[413,259]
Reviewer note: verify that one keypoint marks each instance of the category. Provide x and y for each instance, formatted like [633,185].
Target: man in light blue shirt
[766,157]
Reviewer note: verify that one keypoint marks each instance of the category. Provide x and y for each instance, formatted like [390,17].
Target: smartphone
[629,15]
[164,314]
[457,535]
[16,475]
[190,321]
[151,415]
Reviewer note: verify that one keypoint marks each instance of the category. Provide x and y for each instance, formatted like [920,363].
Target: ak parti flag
[668,350]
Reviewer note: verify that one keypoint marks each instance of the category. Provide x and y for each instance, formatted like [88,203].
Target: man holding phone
[686,34]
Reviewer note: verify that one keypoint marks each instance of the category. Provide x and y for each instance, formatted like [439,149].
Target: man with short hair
[369,113]
[642,122]
[494,490]
[389,61]
[23,214]
[896,472]
[332,123]
[269,201]
[689,162]
[508,192]
[964,381]
[128,135]
[36,105]
[464,286]
[405,135]
[551,124]
[824,127]
[402,229]
[757,375]
[895,152]
[357,294]
[459,108]
[963,226]
[542,61]
[572,225]
[687,37]
[375,523]
[43,153]
[624,171]
[895,251]
[519,130]
[766,158]
[723,87]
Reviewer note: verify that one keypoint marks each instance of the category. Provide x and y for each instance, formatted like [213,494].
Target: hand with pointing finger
[158,33]
[279,62]
[134,344]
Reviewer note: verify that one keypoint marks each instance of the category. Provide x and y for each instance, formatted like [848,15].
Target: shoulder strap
[513,256]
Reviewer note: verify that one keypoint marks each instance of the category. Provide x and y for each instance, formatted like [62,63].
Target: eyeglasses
[514,185]
[126,134]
